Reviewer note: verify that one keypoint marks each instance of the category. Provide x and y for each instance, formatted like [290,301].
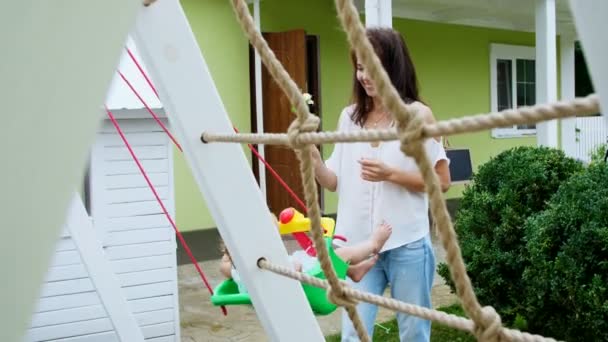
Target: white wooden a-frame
[193,105]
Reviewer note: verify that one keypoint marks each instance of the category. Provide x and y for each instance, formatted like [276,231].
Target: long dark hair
[395,57]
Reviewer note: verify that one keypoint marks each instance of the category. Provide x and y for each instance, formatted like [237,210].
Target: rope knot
[410,131]
[297,127]
[340,299]
[489,328]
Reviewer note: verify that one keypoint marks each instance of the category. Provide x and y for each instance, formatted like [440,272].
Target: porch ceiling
[504,14]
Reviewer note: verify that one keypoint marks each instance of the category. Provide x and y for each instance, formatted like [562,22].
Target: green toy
[227,293]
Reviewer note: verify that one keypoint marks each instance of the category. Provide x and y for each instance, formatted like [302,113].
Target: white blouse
[362,205]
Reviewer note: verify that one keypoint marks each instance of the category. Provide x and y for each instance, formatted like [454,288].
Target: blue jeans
[409,269]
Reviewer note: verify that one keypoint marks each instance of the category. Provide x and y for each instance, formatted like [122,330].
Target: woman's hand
[374,170]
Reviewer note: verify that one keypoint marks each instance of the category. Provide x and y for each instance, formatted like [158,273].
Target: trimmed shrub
[490,222]
[567,278]
[598,154]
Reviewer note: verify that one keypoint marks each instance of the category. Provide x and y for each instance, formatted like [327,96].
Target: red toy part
[286,215]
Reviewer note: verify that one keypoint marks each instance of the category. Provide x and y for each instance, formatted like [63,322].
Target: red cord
[150,111]
[143,73]
[162,205]
[302,239]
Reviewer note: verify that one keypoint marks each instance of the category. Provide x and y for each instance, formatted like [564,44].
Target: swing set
[291,221]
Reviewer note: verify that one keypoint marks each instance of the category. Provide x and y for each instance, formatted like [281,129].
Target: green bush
[597,154]
[567,278]
[490,222]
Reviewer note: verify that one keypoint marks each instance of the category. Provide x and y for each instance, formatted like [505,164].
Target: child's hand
[226,266]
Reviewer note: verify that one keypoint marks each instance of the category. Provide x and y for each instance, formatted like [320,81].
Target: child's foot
[380,235]
[356,272]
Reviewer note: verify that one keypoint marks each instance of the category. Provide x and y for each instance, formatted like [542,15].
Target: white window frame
[512,52]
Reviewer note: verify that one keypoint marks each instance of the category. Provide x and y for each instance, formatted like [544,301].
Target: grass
[439,333]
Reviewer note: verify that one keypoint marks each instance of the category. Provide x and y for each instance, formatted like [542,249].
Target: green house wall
[452,62]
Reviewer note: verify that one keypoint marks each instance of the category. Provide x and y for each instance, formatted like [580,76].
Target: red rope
[162,205]
[302,239]
[277,176]
[150,110]
[143,73]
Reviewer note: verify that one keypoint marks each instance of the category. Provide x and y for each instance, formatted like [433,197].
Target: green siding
[452,62]
[225,50]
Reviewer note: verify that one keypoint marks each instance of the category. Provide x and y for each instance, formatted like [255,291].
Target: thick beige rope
[305,122]
[449,320]
[562,109]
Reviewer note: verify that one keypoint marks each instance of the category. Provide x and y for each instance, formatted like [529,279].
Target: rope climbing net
[411,131]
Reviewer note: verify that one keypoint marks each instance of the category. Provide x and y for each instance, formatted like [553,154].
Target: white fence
[590,133]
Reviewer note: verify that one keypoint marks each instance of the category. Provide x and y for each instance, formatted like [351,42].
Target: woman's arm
[413,180]
[326,177]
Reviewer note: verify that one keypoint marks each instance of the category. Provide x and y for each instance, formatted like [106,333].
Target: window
[513,82]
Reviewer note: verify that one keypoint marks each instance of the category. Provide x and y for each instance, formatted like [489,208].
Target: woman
[378,182]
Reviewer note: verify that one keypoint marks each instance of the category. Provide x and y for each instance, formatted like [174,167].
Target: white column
[591,25]
[567,92]
[546,68]
[259,104]
[221,170]
[378,13]
[57,64]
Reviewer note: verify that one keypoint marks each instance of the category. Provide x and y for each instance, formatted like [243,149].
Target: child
[357,256]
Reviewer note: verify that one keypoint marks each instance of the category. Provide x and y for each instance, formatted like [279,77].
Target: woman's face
[365,81]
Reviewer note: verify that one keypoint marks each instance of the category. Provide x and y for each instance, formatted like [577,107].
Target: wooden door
[290,49]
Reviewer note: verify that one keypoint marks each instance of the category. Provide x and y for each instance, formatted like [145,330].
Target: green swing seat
[227,292]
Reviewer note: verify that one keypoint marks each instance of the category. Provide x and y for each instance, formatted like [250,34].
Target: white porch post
[546,68]
[567,90]
[591,25]
[378,13]
[57,63]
